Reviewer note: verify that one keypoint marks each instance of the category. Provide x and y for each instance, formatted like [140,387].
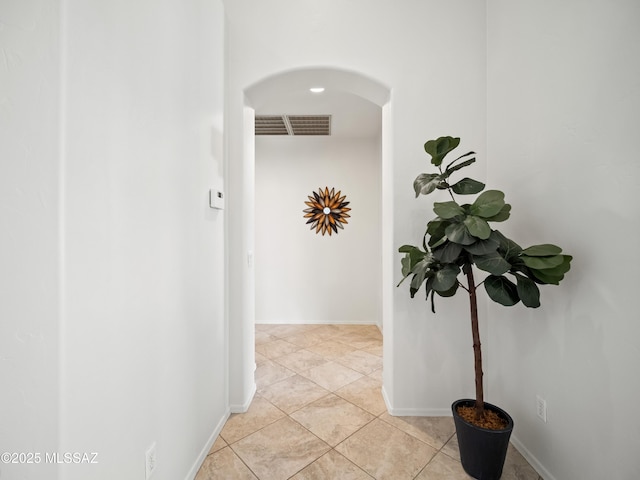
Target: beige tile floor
[319,415]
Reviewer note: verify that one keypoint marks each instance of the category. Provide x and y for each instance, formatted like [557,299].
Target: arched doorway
[241,282]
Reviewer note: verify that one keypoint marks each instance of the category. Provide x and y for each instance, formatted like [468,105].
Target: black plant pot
[482,451]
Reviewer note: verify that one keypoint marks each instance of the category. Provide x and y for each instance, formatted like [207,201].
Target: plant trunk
[475,331]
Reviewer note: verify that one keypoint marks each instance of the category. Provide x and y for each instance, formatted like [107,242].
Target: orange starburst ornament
[327,211]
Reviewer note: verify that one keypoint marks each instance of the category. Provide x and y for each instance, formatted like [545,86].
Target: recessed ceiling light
[316,89]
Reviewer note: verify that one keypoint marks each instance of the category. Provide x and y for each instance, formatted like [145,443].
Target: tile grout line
[334,391]
[329,392]
[342,335]
[243,462]
[438,452]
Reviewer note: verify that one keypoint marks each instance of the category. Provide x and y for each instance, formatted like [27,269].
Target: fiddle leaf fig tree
[461,239]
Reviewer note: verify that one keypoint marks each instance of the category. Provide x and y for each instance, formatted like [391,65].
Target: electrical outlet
[150,461]
[541,408]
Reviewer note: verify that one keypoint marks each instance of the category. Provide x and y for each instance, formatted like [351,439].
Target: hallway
[319,414]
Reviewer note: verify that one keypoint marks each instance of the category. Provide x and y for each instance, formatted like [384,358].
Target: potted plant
[458,241]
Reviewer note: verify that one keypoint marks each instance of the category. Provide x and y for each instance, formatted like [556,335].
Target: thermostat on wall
[216,199]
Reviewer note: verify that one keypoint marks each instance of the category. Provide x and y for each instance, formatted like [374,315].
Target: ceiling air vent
[293,125]
[270,125]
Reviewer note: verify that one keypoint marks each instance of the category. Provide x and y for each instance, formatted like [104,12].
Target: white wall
[432,56]
[144,335]
[135,299]
[564,103]
[131,255]
[301,276]
[29,222]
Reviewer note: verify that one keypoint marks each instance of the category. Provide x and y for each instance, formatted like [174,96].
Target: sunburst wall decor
[327,211]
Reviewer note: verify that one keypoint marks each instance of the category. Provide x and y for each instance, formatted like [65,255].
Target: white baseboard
[385,397]
[241,408]
[318,322]
[533,461]
[414,412]
[420,412]
[207,447]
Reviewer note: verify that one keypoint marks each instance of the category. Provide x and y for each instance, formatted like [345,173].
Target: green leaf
[502,215]
[492,263]
[439,148]
[521,268]
[406,267]
[488,204]
[413,253]
[451,169]
[447,210]
[409,249]
[543,250]
[413,256]
[429,290]
[460,158]
[553,275]
[447,253]
[425,183]
[477,227]
[501,290]
[428,284]
[547,279]
[467,186]
[483,247]
[436,242]
[458,233]
[509,249]
[528,291]
[541,263]
[433,243]
[561,269]
[445,278]
[421,271]
[436,229]
[449,293]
